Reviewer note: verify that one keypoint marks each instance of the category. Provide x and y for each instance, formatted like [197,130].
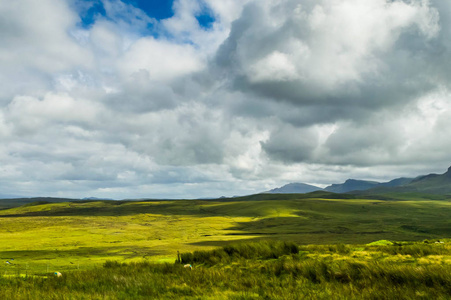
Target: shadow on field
[198,208]
[220,243]
[281,215]
[248,206]
[311,208]
[106,208]
[88,252]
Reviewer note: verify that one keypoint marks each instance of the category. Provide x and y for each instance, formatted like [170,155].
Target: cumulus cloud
[346,63]
[271,92]
[161,60]
[31,114]
[35,45]
[321,50]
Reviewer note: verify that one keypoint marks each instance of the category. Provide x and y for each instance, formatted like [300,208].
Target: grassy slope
[81,235]
[439,184]
[15,202]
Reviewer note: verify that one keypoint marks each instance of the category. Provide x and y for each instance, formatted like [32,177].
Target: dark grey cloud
[332,63]
[290,144]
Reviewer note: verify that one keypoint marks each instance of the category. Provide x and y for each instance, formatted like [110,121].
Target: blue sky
[150,99]
[157,9]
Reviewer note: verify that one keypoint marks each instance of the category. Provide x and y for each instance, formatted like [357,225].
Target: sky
[206,98]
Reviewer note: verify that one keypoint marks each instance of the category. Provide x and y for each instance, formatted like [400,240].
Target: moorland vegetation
[261,270]
[257,247]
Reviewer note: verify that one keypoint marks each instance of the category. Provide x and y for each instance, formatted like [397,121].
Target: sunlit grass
[258,270]
[83,235]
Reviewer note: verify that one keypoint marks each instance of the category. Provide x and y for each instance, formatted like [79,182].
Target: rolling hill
[15,202]
[432,184]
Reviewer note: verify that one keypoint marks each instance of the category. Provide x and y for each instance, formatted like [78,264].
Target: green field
[70,237]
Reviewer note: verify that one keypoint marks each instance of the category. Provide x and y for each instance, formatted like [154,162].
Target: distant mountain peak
[295,188]
[351,180]
[96,198]
[351,185]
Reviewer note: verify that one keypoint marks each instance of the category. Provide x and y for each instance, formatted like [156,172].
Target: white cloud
[275,66]
[5,130]
[161,59]
[227,10]
[29,115]
[35,35]
[35,45]
[105,38]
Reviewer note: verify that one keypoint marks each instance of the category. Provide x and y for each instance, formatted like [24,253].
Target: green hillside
[435,184]
[82,234]
[9,203]
[432,184]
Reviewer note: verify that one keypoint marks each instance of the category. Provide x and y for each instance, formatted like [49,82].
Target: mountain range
[432,184]
[428,184]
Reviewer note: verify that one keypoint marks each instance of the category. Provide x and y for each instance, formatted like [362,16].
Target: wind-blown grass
[226,254]
[277,270]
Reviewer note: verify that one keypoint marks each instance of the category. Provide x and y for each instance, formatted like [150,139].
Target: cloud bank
[130,106]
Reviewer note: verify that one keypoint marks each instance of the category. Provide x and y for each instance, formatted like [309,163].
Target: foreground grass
[264,270]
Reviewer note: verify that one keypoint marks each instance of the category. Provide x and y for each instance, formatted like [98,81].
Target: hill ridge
[430,183]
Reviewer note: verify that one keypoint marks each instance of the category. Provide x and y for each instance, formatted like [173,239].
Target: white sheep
[58,274]
[188,266]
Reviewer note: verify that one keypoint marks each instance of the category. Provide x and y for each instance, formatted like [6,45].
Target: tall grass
[415,250]
[260,250]
[276,279]
[336,248]
[279,279]
[265,270]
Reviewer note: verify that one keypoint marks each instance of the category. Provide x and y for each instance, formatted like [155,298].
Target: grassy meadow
[260,270]
[103,243]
